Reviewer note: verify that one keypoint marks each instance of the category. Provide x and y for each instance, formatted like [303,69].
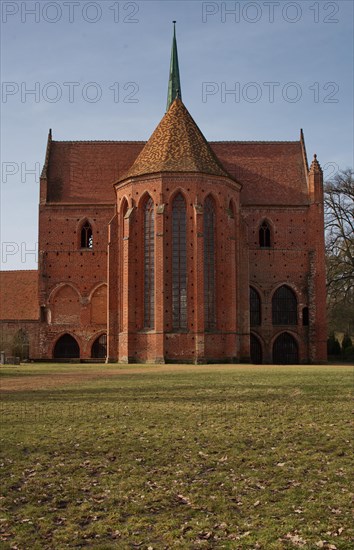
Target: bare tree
[339,226]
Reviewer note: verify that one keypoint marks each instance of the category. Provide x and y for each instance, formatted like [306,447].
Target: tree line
[339,243]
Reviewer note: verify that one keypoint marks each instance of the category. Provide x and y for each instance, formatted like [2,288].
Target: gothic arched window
[209,264]
[179,263]
[284,307]
[123,220]
[149,265]
[255,308]
[264,235]
[86,236]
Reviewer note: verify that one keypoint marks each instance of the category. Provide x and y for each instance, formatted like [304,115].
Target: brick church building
[173,250]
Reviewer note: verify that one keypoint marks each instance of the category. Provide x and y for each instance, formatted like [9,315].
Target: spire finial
[174,84]
[315,165]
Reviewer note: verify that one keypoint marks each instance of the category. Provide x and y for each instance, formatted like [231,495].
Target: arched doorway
[256,350]
[99,347]
[285,350]
[66,348]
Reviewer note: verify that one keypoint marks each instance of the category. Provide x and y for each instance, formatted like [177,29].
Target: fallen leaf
[295,539]
[205,535]
[203,455]
[184,500]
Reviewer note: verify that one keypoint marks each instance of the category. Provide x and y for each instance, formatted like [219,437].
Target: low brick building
[19,313]
[178,249]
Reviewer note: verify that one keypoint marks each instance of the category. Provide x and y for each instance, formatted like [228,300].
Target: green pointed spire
[174,83]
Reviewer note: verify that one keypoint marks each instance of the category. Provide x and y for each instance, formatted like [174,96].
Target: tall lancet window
[209,264]
[149,265]
[179,263]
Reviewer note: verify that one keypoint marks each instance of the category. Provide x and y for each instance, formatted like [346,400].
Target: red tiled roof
[84,171]
[19,295]
[270,172]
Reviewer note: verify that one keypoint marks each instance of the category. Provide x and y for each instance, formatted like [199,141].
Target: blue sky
[289,65]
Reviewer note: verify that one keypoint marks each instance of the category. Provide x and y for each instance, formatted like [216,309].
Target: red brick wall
[292,260]
[317,280]
[72,282]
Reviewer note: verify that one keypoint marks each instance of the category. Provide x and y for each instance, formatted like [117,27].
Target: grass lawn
[234,457]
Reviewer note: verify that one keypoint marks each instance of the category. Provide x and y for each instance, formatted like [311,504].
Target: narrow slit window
[305,316]
[179,263]
[209,264]
[86,236]
[255,308]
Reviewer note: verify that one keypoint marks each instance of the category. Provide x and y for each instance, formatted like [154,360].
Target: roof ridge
[253,141]
[145,141]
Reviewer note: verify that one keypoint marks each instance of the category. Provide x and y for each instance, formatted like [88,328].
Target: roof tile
[177,145]
[19,295]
